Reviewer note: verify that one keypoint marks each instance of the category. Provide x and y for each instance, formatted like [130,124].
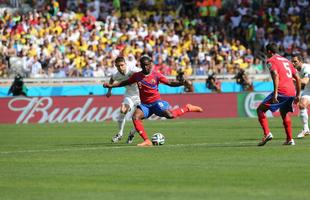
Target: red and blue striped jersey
[148,85]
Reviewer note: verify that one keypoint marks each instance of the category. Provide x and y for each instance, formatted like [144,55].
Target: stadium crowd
[203,37]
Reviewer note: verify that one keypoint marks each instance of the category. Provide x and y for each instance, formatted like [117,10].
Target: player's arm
[172,83]
[298,86]
[117,84]
[275,80]
[175,83]
[109,93]
[129,81]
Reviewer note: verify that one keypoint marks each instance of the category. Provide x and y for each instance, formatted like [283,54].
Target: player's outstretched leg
[193,108]
[188,108]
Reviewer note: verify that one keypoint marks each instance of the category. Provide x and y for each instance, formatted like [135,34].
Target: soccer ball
[158,139]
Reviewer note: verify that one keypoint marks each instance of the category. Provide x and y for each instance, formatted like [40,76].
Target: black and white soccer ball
[158,139]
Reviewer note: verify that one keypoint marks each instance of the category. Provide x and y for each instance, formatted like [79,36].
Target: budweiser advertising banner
[23,110]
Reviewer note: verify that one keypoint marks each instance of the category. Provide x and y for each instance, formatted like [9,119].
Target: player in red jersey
[285,93]
[151,102]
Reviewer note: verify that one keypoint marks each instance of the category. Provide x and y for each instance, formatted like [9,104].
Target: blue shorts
[157,108]
[285,103]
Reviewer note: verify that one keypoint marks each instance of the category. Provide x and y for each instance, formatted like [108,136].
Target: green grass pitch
[202,159]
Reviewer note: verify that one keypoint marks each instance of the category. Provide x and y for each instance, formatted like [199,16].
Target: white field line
[122,147]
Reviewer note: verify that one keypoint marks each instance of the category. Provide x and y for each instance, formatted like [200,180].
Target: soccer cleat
[146,143]
[116,138]
[131,135]
[291,142]
[302,134]
[192,108]
[265,139]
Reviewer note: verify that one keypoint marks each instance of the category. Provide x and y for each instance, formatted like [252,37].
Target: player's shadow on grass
[259,139]
[230,145]
[101,144]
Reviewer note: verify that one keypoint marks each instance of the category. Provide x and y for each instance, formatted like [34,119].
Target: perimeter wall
[23,110]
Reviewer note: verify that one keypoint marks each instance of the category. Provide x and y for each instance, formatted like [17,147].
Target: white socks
[121,123]
[304,119]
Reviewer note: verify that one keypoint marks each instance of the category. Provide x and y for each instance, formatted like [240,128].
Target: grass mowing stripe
[125,147]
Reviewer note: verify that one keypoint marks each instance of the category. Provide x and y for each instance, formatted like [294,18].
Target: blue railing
[83,90]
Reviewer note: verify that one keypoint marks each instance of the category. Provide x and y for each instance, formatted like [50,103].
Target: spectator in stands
[200,71]
[167,34]
[36,68]
[162,67]
[88,70]
[9,52]
[257,67]
[305,56]
[3,68]
[59,70]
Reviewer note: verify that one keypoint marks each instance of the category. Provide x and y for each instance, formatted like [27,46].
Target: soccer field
[202,159]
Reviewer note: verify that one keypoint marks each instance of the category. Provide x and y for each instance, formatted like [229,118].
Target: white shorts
[132,101]
[306,95]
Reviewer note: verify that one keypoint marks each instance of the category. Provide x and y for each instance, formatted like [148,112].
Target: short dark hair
[299,56]
[145,59]
[273,47]
[119,59]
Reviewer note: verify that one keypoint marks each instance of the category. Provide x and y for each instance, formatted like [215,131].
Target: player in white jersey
[131,97]
[304,73]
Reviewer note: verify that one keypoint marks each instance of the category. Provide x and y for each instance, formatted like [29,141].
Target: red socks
[140,129]
[287,123]
[179,111]
[263,122]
